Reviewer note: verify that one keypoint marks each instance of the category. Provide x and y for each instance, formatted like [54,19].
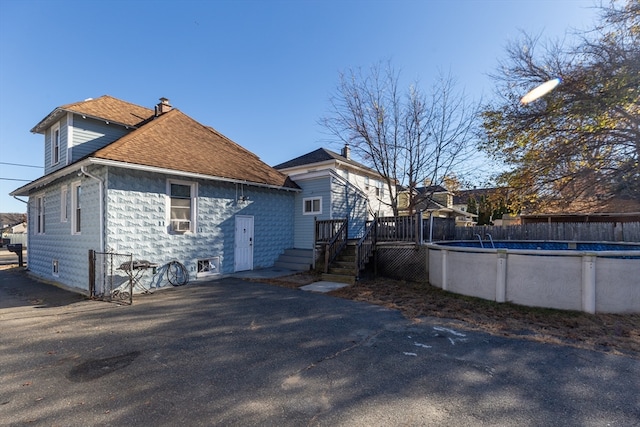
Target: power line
[15,179]
[17,164]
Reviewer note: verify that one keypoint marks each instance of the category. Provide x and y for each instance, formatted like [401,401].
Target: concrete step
[305,253]
[327,277]
[295,259]
[292,266]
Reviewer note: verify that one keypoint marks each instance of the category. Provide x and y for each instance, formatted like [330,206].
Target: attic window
[55,144]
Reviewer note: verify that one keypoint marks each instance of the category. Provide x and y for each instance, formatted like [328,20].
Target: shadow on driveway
[17,289]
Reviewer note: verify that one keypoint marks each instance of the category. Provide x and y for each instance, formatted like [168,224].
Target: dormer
[75,130]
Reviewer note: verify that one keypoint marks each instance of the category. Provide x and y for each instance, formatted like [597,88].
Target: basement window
[208,267]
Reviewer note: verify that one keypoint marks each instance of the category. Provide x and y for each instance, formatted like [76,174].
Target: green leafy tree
[582,140]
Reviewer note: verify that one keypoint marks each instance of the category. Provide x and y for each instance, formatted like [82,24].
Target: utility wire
[17,164]
[15,179]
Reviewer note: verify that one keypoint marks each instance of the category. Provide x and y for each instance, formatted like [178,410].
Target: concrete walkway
[270,273]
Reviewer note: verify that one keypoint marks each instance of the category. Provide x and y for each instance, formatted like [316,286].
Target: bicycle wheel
[177,273]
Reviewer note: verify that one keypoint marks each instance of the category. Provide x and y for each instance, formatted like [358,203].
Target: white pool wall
[566,280]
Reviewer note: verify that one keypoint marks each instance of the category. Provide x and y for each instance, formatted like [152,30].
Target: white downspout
[101,186]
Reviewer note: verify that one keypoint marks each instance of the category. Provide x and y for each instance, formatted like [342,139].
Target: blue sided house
[334,186]
[155,183]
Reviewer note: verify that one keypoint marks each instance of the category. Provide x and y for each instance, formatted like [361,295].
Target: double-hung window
[55,144]
[181,206]
[312,206]
[64,209]
[76,208]
[40,214]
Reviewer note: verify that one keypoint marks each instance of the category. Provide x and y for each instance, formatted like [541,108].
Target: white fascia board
[47,179]
[312,175]
[184,174]
[58,113]
[325,165]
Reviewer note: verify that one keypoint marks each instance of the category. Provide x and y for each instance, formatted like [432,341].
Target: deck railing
[326,229]
[399,228]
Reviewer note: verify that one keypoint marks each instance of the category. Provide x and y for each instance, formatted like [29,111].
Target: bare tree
[406,136]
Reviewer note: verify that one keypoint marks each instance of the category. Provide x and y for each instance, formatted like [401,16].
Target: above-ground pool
[586,276]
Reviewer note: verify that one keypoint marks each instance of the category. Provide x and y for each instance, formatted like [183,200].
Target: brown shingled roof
[175,141]
[105,107]
[112,109]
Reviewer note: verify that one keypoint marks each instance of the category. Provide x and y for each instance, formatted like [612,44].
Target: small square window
[312,206]
[208,267]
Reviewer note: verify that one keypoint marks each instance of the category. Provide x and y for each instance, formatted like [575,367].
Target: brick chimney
[163,107]
[346,152]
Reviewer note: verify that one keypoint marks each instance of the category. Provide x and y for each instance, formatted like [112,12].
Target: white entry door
[244,243]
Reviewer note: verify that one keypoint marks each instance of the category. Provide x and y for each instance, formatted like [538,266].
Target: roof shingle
[176,141]
[105,107]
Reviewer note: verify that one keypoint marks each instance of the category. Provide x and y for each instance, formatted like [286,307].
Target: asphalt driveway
[232,352]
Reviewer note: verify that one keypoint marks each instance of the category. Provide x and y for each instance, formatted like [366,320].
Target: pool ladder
[481,242]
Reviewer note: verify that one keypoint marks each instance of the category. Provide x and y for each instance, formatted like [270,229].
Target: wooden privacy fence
[417,230]
[567,231]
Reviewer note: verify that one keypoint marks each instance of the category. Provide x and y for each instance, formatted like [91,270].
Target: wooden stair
[342,269]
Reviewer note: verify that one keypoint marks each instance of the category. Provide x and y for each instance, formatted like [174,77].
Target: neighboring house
[334,186]
[155,183]
[490,204]
[436,201]
[18,228]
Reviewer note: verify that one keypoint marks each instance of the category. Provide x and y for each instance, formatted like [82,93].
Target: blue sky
[259,71]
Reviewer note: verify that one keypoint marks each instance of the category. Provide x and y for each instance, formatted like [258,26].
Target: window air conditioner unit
[181,225]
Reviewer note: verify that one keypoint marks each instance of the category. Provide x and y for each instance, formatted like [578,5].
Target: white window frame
[366,184]
[40,214]
[312,211]
[55,267]
[55,144]
[208,267]
[76,208]
[64,206]
[178,226]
